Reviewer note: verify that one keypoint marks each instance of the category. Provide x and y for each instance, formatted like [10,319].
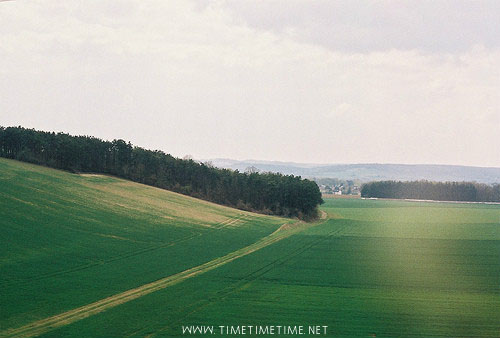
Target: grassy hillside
[374,269]
[67,240]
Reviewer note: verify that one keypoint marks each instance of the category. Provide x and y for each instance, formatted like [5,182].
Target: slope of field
[69,240]
[94,256]
[375,269]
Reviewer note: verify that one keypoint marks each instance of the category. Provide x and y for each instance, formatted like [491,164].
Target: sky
[287,80]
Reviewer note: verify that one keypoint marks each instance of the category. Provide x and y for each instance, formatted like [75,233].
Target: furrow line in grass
[255,275]
[44,325]
[281,260]
[106,261]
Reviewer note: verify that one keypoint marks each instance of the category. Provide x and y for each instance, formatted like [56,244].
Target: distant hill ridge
[366,172]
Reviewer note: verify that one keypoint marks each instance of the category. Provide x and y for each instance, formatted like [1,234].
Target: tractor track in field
[256,274]
[229,222]
[105,261]
[39,327]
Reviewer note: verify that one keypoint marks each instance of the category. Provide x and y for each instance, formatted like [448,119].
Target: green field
[68,240]
[373,269]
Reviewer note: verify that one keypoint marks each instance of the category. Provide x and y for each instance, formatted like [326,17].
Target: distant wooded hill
[438,191]
[371,172]
[284,195]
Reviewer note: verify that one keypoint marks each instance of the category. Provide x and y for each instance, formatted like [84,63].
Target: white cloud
[374,25]
[195,79]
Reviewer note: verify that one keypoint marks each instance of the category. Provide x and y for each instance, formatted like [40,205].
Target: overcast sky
[302,81]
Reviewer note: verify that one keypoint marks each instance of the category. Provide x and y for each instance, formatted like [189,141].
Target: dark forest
[439,191]
[268,193]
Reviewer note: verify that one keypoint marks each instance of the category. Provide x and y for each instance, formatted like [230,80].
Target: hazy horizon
[338,163]
[345,82]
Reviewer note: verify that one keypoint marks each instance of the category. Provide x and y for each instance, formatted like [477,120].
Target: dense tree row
[268,193]
[439,191]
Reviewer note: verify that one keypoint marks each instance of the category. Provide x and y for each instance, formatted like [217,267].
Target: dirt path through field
[39,327]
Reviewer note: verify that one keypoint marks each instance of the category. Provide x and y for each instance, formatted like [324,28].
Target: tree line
[439,191]
[268,193]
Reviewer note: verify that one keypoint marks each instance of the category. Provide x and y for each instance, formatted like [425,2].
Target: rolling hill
[68,241]
[371,171]
[98,256]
